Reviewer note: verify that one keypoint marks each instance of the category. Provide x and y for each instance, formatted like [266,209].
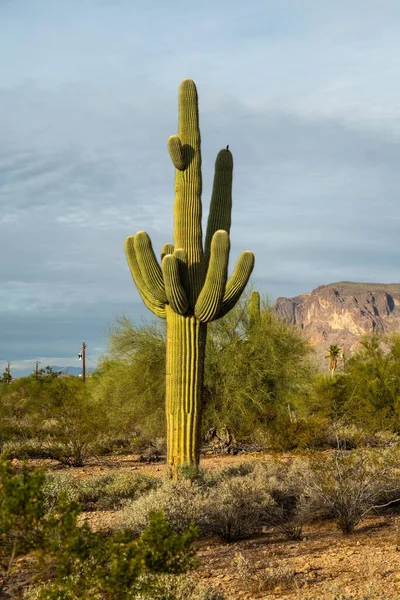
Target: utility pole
[83,356]
[37,370]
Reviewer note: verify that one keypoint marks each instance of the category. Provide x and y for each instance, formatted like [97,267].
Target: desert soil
[324,565]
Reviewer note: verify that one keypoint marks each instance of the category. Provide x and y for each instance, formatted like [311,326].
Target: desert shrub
[236,508]
[291,508]
[253,370]
[75,562]
[88,565]
[181,502]
[100,492]
[235,471]
[290,431]
[26,448]
[160,586]
[353,483]
[21,514]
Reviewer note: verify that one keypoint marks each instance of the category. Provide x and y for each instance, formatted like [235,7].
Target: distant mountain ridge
[341,313]
[75,371]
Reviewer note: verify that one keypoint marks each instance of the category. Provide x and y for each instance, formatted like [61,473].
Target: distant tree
[47,374]
[333,355]
[6,377]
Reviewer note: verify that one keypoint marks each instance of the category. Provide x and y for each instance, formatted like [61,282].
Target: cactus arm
[149,300]
[221,199]
[175,150]
[211,296]
[174,289]
[237,282]
[182,258]
[188,186]
[167,249]
[149,267]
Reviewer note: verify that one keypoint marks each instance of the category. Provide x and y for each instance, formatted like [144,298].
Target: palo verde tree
[191,287]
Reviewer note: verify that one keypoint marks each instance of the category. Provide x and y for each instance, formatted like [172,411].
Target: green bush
[73,562]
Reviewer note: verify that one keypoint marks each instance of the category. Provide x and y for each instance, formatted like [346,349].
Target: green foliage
[130,385]
[88,565]
[256,374]
[6,377]
[75,562]
[21,512]
[367,393]
[54,415]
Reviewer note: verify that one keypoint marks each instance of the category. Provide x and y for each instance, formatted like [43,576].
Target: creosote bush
[351,484]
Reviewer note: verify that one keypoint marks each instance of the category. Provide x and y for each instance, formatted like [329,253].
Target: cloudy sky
[307,95]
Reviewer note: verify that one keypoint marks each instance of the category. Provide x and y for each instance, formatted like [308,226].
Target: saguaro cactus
[254,309]
[191,287]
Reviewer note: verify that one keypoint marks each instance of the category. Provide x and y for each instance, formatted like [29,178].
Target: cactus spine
[191,287]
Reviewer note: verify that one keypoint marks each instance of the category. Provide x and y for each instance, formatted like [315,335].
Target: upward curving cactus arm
[221,200]
[254,308]
[167,249]
[174,289]
[211,296]
[237,282]
[149,267]
[157,307]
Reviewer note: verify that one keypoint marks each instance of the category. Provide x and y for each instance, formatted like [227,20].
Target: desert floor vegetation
[252,526]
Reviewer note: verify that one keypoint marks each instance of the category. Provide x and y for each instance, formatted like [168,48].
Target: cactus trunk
[186,338]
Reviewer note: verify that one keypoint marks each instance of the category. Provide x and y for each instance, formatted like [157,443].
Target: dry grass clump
[261,577]
[181,587]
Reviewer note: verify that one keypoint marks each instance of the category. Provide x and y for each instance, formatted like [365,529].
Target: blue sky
[307,95]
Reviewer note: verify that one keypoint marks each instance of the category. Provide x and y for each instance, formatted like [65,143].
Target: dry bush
[289,510]
[182,502]
[232,508]
[352,484]
[236,508]
[100,492]
[264,577]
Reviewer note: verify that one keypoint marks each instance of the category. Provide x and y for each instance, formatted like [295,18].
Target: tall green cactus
[191,287]
[254,308]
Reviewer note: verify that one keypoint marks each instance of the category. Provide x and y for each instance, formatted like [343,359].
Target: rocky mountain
[341,313]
